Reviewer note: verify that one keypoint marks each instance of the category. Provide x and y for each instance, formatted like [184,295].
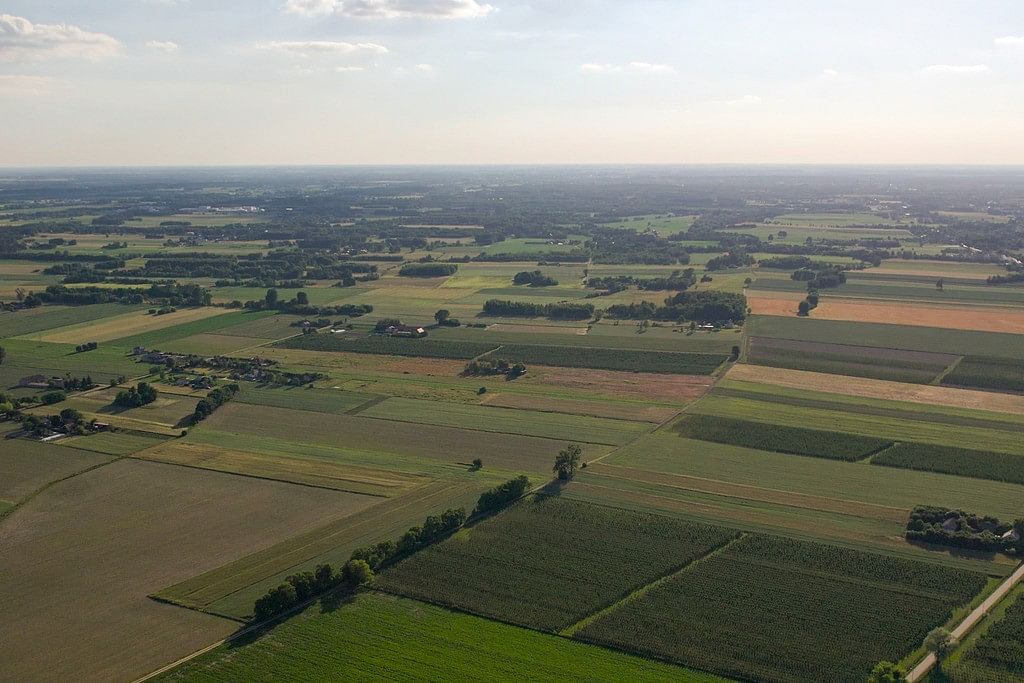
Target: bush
[216,398]
[502,495]
[136,396]
[534,278]
[51,397]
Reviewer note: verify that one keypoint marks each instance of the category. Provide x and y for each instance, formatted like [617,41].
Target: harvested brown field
[877,388]
[621,411]
[25,466]
[125,325]
[417,441]
[78,561]
[309,471]
[673,388]
[778,303]
[966,317]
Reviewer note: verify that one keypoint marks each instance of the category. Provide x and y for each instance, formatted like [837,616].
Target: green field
[880,335]
[1000,374]
[548,563]
[997,656]
[611,359]
[113,443]
[305,398]
[161,338]
[802,609]
[380,637]
[765,437]
[392,346]
[49,317]
[949,460]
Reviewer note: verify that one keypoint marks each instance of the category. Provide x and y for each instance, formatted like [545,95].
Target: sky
[239,82]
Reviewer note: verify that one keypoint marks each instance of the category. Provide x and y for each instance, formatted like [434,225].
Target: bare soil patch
[965,317]
[782,303]
[78,561]
[676,388]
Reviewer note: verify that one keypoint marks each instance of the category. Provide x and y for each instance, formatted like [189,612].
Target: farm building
[406,331]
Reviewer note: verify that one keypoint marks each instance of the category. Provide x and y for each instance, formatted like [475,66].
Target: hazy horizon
[194,83]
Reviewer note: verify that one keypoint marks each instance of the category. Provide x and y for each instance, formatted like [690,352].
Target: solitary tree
[442,315]
[803,309]
[271,298]
[887,672]
[301,298]
[941,642]
[567,462]
[938,284]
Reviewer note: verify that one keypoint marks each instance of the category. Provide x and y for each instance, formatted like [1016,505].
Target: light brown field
[675,388]
[621,411]
[778,303]
[25,466]
[878,388]
[78,561]
[124,325]
[540,329]
[926,315]
[311,471]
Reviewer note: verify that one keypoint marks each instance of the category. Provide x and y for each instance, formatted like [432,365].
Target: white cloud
[347,69]
[636,67]
[1009,40]
[15,85]
[424,68]
[647,67]
[391,9]
[745,101]
[162,45]
[831,73]
[20,39]
[956,68]
[593,68]
[307,48]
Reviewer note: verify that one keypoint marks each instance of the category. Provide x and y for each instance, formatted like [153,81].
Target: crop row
[666,362]
[548,562]
[804,610]
[1001,374]
[999,651]
[389,346]
[951,460]
[779,438]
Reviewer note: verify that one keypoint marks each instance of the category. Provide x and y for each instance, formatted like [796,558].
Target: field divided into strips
[28,466]
[619,410]
[90,548]
[35,320]
[870,393]
[612,359]
[794,440]
[892,428]
[113,443]
[604,334]
[549,425]
[999,374]
[232,589]
[426,348]
[843,359]
[802,609]
[296,462]
[547,563]
[160,338]
[881,335]
[997,655]
[511,453]
[167,415]
[138,324]
[949,460]
[385,637]
[873,286]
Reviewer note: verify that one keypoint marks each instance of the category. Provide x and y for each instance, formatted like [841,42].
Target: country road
[970,621]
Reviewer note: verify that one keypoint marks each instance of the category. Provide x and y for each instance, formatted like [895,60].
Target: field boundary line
[970,621]
[573,629]
[4,514]
[140,456]
[949,368]
[366,405]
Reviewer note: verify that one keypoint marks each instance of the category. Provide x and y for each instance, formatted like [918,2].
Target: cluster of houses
[407,331]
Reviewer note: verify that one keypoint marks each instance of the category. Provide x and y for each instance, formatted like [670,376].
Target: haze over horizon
[339,82]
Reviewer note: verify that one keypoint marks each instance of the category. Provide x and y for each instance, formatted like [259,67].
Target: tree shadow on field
[335,600]
[553,489]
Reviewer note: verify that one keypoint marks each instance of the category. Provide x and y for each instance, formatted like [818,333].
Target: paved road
[969,622]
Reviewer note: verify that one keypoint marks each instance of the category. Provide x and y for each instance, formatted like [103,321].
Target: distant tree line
[134,397]
[557,311]
[494,366]
[534,278]
[302,586]
[427,269]
[215,399]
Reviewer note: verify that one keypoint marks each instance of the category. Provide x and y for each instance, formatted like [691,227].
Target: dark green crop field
[998,656]
[1001,374]
[770,437]
[951,460]
[882,335]
[666,362]
[547,563]
[390,346]
[773,609]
